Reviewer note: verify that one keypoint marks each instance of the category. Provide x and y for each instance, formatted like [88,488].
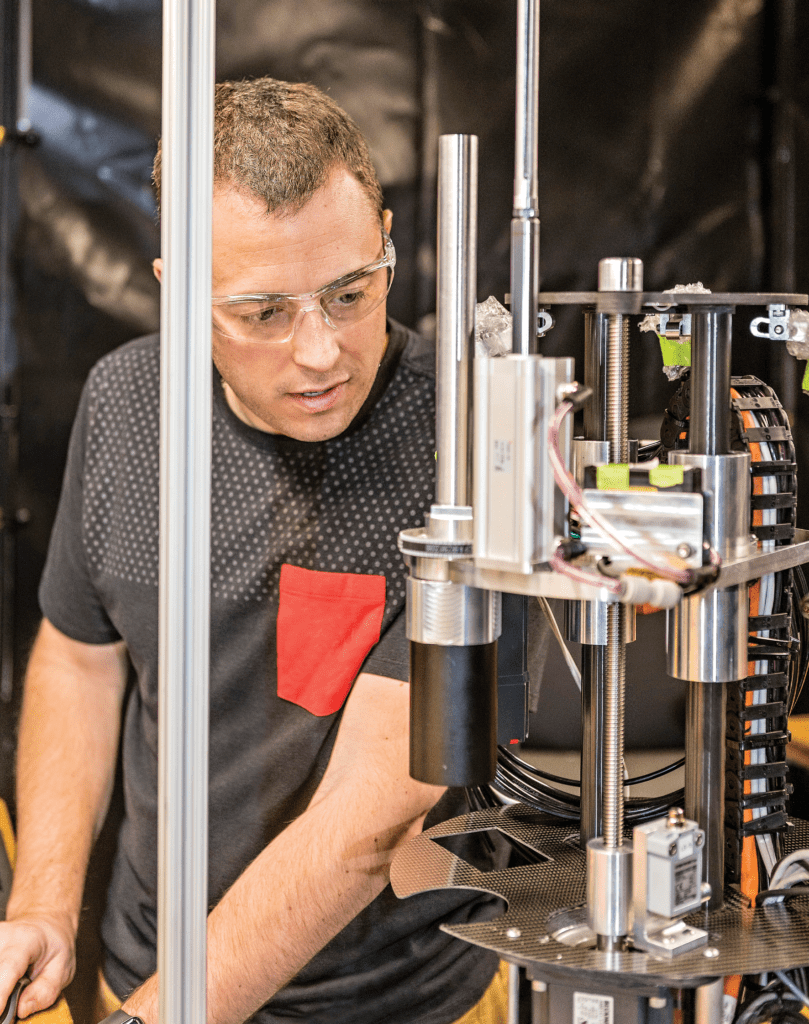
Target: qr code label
[592,1009]
[685,882]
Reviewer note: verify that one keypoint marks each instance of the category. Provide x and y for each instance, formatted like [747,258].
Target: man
[322,451]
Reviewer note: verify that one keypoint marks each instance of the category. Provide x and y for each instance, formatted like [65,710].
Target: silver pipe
[525,222]
[185,477]
[513,994]
[24,64]
[457,284]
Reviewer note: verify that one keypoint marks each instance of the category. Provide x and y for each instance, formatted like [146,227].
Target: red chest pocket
[327,624]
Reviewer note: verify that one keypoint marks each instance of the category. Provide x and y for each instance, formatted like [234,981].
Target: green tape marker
[613,477]
[675,353]
[805,381]
[665,476]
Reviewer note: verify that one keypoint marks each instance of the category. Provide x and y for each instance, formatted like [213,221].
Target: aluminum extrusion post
[185,488]
[525,216]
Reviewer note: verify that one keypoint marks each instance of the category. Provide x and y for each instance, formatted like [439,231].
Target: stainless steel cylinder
[456,288]
[585,622]
[524,284]
[451,614]
[726,478]
[620,274]
[585,452]
[708,1001]
[709,423]
[705,716]
[706,636]
[609,893]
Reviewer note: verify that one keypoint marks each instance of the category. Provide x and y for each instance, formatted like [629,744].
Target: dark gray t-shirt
[305,576]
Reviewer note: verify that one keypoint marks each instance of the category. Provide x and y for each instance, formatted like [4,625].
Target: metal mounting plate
[742,939]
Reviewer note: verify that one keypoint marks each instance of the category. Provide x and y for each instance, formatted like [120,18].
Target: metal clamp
[775,326]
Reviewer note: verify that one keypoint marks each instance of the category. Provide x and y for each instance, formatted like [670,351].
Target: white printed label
[685,846]
[592,1009]
[502,456]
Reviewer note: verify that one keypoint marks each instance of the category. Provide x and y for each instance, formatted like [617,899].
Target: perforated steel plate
[742,940]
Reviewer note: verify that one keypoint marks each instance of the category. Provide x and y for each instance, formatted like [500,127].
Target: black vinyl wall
[675,132]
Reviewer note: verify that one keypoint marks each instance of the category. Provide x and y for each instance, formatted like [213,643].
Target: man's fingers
[40,994]
[11,970]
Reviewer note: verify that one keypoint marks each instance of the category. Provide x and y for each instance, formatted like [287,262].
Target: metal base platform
[742,939]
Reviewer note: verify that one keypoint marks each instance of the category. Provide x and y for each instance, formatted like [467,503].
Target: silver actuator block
[519,512]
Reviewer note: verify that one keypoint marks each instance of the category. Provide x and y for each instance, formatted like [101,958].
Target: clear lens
[272,319]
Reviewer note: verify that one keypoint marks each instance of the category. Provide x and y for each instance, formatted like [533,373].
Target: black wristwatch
[121,1017]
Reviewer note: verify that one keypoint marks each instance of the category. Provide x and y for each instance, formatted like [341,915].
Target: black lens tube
[453,714]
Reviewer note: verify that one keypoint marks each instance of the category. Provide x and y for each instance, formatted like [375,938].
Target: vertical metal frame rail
[185,481]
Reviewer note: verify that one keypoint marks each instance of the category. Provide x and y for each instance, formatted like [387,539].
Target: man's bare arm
[65,768]
[323,869]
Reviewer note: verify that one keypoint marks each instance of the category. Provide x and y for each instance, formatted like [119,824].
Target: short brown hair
[279,141]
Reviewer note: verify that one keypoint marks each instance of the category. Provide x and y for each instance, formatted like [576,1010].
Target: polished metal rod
[525,222]
[185,480]
[709,426]
[595,375]
[457,283]
[592,741]
[705,717]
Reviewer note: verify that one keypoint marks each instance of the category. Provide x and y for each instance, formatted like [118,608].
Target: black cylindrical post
[453,714]
[709,427]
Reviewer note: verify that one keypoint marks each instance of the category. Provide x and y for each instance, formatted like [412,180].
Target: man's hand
[65,768]
[43,948]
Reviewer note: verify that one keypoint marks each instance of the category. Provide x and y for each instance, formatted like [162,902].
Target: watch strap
[121,1017]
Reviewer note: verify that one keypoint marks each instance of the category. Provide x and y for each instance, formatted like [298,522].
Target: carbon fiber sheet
[742,939]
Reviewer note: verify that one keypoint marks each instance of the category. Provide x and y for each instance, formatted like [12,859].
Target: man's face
[312,386]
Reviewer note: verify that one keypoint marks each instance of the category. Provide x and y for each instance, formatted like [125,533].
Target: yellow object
[493,1005]
[106,1000]
[59,1013]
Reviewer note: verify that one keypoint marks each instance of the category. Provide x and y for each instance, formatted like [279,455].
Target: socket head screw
[711,952]
[673,850]
[699,838]
[513,933]
[685,550]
